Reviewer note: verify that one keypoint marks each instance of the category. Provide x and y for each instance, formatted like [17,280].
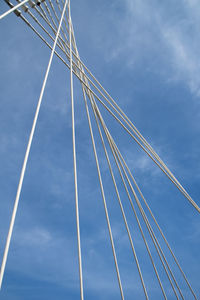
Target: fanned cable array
[51,21]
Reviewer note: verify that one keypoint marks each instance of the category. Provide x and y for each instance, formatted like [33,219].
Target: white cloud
[149,30]
[141,163]
[33,237]
[185,60]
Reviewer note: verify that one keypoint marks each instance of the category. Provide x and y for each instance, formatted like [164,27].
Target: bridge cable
[27,155]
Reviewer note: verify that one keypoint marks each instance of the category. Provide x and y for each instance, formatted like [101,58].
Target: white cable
[152,153]
[138,222]
[43,39]
[121,205]
[58,4]
[19,14]
[44,16]
[119,155]
[74,158]
[105,205]
[55,14]
[99,174]
[103,196]
[154,239]
[13,9]
[119,111]
[82,83]
[157,161]
[148,224]
[82,74]
[27,154]
[155,157]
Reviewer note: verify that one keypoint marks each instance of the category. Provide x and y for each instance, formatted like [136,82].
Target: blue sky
[147,56]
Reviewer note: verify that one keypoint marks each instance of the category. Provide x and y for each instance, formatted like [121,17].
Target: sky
[146,55]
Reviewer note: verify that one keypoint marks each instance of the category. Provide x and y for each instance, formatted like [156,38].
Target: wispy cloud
[147,32]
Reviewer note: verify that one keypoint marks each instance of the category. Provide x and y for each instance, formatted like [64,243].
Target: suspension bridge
[51,22]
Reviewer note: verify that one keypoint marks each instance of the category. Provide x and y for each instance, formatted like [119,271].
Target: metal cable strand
[176,261]
[135,196]
[59,7]
[44,16]
[100,178]
[138,222]
[148,224]
[162,255]
[55,14]
[152,261]
[27,10]
[19,14]
[49,13]
[64,40]
[131,125]
[73,39]
[42,11]
[77,56]
[74,159]
[136,185]
[102,191]
[157,225]
[104,199]
[135,130]
[170,179]
[105,205]
[154,239]
[122,210]
[54,26]
[27,156]
[138,134]
[151,232]
[121,206]
[12,9]
[162,167]
[149,154]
